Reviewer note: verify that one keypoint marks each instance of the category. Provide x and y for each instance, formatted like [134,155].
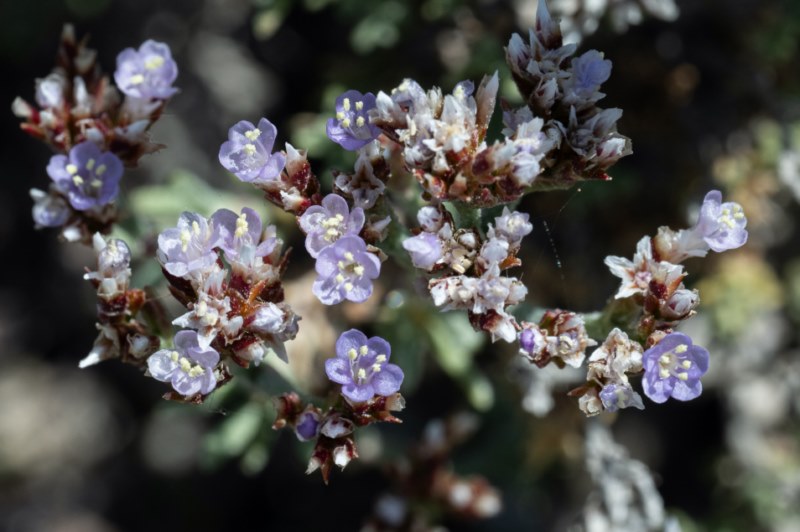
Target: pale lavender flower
[425,250]
[588,72]
[346,270]
[87,176]
[511,226]
[673,367]
[189,247]
[721,225]
[240,235]
[210,314]
[430,219]
[351,128]
[188,367]
[618,396]
[248,152]
[50,91]
[274,324]
[49,209]
[148,72]
[361,366]
[325,224]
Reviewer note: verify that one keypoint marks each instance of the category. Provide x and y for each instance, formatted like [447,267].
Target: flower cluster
[560,335]
[370,386]
[236,307]
[121,335]
[284,177]
[81,115]
[565,94]
[345,265]
[478,285]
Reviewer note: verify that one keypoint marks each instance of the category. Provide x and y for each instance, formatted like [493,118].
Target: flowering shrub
[226,269]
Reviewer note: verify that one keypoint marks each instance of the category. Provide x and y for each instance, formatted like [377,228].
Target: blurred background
[711,96]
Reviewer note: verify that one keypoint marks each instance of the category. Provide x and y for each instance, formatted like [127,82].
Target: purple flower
[673,367]
[346,270]
[351,128]
[589,71]
[240,235]
[721,225]
[189,367]
[307,426]
[617,396]
[189,247]
[88,176]
[148,72]
[425,250]
[248,152]
[511,226]
[325,224]
[361,367]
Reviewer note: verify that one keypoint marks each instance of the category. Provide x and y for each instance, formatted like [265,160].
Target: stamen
[185,364]
[349,256]
[346,122]
[359,270]
[686,364]
[376,368]
[174,355]
[380,359]
[664,359]
[90,164]
[681,348]
[71,169]
[362,374]
[241,226]
[153,62]
[359,105]
[339,115]
[363,350]
[348,287]
[196,227]
[339,278]
[96,183]
[78,180]
[346,104]
[351,354]
[137,79]
[663,373]
[186,236]
[100,170]
[360,121]
[250,149]
[200,309]
[683,376]
[253,134]
[196,371]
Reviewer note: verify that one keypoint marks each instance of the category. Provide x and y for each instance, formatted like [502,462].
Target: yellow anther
[376,368]
[332,231]
[663,373]
[362,374]
[686,364]
[739,215]
[72,169]
[346,122]
[683,376]
[360,121]
[348,256]
[196,371]
[185,364]
[196,227]
[100,170]
[96,183]
[250,149]
[664,359]
[339,278]
[359,270]
[380,359]
[346,104]
[137,79]
[363,350]
[681,348]
[348,287]
[339,217]
[340,115]
[186,237]
[200,309]
[78,180]
[174,355]
[458,92]
[90,164]
[153,62]
[351,354]
[341,265]
[253,134]
[241,226]
[359,105]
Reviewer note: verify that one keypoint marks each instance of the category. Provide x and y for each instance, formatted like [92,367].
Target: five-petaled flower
[346,270]
[673,367]
[148,72]
[248,152]
[361,366]
[87,176]
[721,225]
[351,128]
[188,367]
[325,224]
